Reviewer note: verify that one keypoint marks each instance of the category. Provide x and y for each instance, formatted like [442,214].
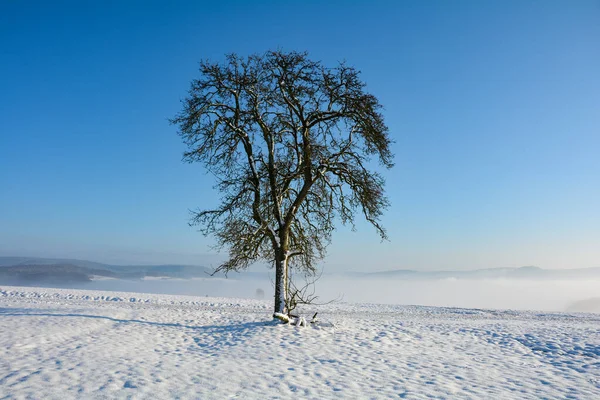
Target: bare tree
[290,143]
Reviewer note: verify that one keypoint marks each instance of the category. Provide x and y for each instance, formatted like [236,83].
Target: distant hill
[54,268]
[49,270]
[13,261]
[491,273]
[24,275]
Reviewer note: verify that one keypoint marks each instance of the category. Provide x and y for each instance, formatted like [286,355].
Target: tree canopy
[290,143]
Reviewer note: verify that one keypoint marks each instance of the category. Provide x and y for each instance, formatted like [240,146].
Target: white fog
[543,295]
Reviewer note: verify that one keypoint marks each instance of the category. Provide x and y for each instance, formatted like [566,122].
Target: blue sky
[494,108]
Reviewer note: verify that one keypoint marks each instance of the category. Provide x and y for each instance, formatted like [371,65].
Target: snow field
[85,344]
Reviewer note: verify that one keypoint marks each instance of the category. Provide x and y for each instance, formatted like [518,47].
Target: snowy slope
[62,344]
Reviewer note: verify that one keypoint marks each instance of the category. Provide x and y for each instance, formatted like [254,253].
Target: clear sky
[494,107]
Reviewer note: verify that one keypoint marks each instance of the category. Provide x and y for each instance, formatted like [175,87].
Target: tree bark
[280,282]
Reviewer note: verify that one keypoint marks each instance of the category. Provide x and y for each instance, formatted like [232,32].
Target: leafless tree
[291,143]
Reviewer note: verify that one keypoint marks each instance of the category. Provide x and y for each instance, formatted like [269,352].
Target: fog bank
[486,293]
[542,295]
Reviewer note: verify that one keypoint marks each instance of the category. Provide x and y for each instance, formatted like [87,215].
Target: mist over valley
[526,288]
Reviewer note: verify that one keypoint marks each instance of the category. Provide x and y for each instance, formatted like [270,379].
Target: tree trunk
[280,282]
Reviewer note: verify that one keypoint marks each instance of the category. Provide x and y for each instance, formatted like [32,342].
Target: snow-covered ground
[61,344]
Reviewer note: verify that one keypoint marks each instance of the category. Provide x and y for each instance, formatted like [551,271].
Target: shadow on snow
[211,336]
